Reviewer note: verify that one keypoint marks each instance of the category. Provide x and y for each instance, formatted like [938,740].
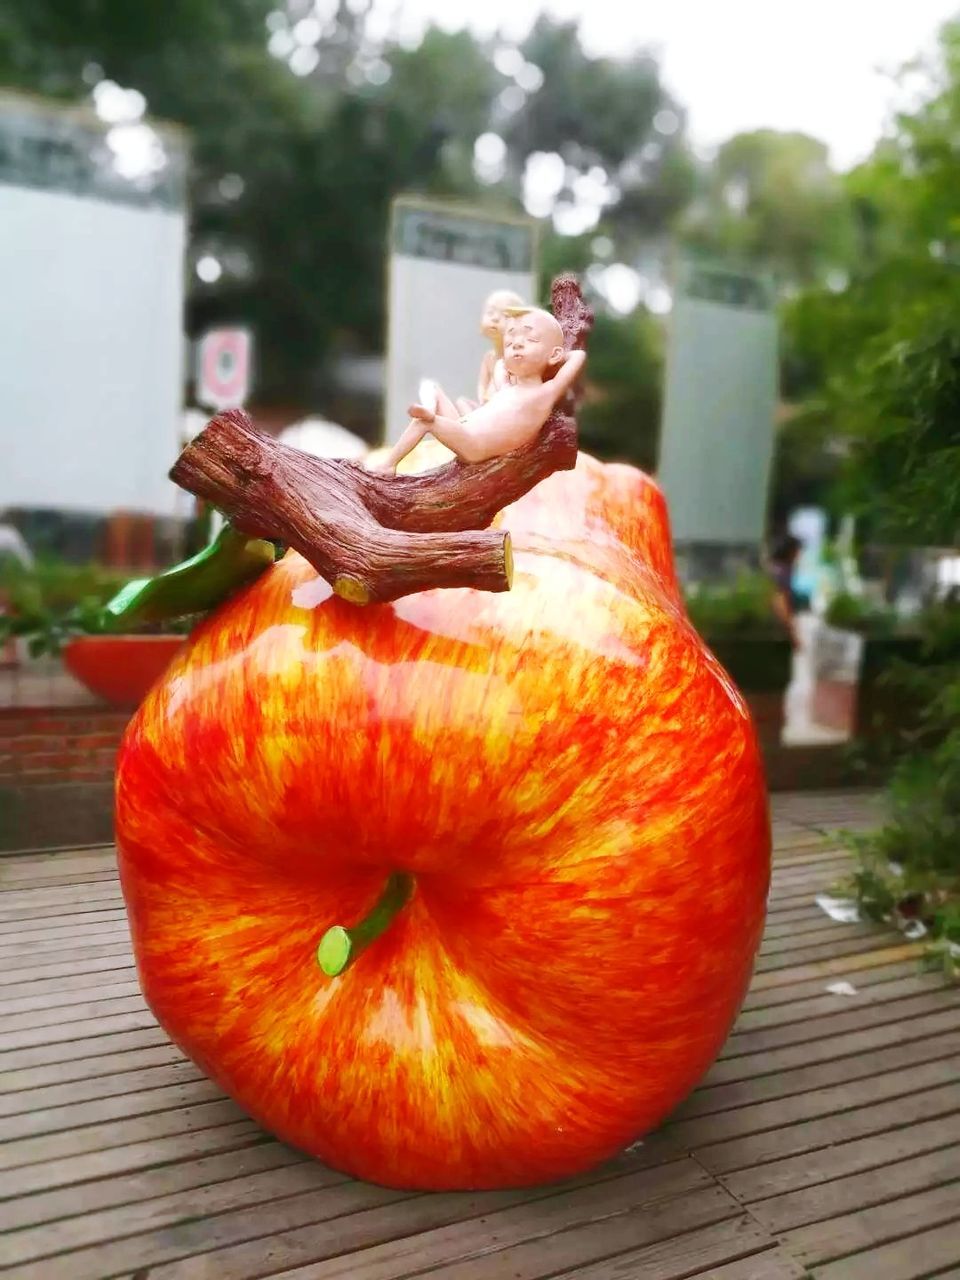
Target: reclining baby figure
[538,373]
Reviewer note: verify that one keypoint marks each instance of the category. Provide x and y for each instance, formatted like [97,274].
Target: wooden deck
[825,1142]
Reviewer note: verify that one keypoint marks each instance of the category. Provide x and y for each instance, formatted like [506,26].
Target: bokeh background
[811,152]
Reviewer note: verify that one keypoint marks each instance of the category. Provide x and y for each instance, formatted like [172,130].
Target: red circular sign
[224,367]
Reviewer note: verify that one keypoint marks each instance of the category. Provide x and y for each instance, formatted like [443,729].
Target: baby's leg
[445,406]
[451,432]
[411,437]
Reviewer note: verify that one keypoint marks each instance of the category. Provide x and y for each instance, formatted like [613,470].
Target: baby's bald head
[547,326]
[532,343]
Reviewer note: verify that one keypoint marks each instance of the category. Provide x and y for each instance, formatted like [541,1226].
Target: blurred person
[783,558]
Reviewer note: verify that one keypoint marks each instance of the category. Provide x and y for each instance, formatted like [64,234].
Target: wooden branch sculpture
[375,537]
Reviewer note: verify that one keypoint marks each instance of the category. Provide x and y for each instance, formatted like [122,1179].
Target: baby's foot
[380,467]
[421,413]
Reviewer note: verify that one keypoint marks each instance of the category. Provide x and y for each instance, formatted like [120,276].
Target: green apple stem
[339,947]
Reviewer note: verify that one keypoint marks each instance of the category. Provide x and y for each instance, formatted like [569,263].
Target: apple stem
[339,947]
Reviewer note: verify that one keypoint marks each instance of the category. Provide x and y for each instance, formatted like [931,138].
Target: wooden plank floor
[824,1142]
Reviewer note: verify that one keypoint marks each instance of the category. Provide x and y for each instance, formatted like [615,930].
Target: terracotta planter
[836,659]
[833,705]
[852,687]
[120,669]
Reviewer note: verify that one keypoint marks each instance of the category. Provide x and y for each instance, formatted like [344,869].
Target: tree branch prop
[375,537]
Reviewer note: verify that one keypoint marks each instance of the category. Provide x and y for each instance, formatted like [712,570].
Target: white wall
[91,352]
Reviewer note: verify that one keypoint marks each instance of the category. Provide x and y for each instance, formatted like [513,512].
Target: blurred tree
[304,124]
[616,129]
[620,415]
[891,386]
[446,84]
[898,408]
[807,463]
[291,175]
[46,45]
[590,110]
[771,200]
[876,362]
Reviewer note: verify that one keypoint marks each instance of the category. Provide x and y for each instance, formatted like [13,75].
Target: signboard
[91,314]
[47,147]
[223,368]
[720,397]
[444,260]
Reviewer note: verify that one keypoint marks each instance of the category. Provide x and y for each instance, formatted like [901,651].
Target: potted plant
[858,654]
[739,623]
[117,643]
[837,657]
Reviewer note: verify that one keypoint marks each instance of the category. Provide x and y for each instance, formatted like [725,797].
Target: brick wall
[56,771]
[39,746]
[56,776]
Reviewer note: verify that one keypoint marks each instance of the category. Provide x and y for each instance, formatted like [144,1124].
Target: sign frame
[228,388]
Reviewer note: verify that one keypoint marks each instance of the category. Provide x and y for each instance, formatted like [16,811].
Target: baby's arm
[485,387]
[567,374]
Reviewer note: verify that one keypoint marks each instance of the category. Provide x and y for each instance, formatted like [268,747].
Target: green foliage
[447,79]
[909,870]
[45,46]
[770,200]
[50,602]
[875,360]
[585,105]
[899,405]
[743,607]
[600,112]
[899,408]
[853,613]
[620,416]
[807,464]
[940,627]
[53,585]
[824,332]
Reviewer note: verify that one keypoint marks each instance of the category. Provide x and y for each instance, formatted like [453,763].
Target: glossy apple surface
[572,781]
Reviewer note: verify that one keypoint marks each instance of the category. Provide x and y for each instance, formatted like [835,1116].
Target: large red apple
[558,787]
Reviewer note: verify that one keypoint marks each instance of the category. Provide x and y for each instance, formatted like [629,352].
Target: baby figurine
[496,310]
[538,373]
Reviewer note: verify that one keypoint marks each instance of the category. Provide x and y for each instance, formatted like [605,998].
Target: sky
[820,66]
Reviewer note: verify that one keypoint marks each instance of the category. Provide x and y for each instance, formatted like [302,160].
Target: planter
[120,669]
[836,658]
[851,687]
[760,666]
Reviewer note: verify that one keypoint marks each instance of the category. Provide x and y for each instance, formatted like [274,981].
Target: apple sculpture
[445,840]
[461,890]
